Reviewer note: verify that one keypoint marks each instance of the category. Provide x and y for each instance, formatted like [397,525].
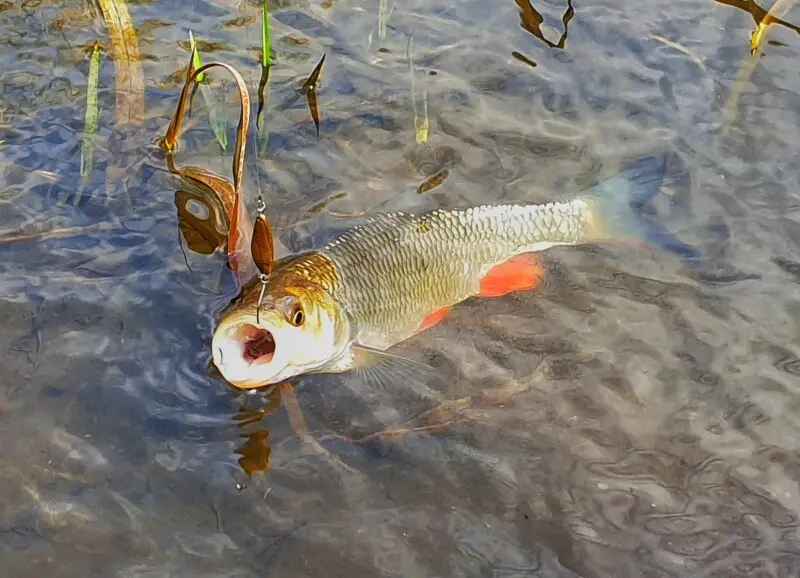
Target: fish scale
[397,268]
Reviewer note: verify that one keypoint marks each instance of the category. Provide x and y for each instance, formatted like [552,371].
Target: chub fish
[340,307]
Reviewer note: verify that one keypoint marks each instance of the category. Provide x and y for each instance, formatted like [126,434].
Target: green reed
[219,122]
[266,57]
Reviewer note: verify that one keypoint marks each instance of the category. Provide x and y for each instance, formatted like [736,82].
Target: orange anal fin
[433,318]
[519,273]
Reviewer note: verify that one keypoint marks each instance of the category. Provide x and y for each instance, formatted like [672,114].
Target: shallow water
[630,417]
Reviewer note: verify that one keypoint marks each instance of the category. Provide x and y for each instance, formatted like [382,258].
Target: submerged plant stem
[90,119]
[127,61]
[266,57]
[57,233]
[775,13]
[420,128]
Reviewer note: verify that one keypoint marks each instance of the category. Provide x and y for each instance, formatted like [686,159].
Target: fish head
[299,328]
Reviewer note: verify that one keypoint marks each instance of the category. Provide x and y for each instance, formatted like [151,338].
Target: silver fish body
[397,268]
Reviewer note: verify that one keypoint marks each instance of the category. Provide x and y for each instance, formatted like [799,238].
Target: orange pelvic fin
[519,273]
[433,318]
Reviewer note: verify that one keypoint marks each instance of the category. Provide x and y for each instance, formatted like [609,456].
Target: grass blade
[266,65]
[90,120]
[196,63]
[89,126]
[384,11]
[420,128]
[92,112]
[219,122]
[266,56]
[127,61]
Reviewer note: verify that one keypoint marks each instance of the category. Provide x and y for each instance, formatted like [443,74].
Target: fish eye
[296,315]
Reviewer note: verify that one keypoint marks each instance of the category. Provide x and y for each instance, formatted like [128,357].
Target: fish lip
[230,348]
[256,345]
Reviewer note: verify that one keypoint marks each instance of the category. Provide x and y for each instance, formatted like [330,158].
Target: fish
[341,306]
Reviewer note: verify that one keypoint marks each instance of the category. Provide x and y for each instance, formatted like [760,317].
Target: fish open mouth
[258,345]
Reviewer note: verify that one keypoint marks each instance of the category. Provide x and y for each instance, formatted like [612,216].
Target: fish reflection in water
[255,452]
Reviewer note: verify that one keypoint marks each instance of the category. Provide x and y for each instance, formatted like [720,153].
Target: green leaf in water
[89,126]
[196,62]
[266,57]
[219,122]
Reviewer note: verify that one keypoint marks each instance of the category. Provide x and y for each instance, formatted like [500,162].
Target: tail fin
[619,202]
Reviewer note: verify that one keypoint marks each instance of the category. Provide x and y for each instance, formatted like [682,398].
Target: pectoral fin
[387,371]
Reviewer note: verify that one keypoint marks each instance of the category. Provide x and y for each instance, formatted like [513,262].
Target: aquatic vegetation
[421,127]
[774,15]
[196,62]
[261,134]
[230,195]
[266,66]
[384,12]
[309,88]
[524,59]
[127,61]
[58,232]
[681,48]
[216,113]
[531,20]
[266,46]
[740,81]
[763,19]
[89,125]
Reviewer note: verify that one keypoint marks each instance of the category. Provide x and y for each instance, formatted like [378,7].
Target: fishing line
[263,277]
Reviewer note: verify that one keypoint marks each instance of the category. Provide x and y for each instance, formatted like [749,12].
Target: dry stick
[55,233]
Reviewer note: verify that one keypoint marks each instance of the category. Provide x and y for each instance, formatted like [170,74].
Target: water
[627,418]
